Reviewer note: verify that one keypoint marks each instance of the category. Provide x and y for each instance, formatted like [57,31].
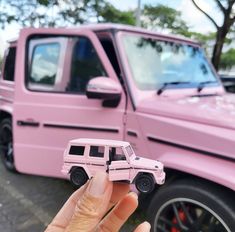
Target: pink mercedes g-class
[158,92]
[84,157]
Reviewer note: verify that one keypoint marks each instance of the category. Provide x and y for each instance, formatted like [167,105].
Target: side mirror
[106,89]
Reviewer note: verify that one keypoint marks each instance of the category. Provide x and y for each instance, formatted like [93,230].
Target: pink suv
[84,157]
[157,92]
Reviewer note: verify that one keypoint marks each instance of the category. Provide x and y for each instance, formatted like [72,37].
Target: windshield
[154,63]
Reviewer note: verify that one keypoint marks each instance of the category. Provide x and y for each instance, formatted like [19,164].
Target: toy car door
[119,168]
[96,160]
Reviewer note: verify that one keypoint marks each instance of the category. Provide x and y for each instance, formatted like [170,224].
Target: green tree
[41,13]
[164,17]
[226,7]
[111,14]
[227,59]
[27,12]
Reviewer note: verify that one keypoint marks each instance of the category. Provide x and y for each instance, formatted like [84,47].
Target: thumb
[92,206]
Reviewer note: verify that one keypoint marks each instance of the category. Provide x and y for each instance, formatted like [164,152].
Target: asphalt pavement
[28,203]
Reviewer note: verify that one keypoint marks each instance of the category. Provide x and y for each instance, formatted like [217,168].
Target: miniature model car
[84,157]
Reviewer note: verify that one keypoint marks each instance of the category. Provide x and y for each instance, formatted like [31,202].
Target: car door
[96,160]
[51,106]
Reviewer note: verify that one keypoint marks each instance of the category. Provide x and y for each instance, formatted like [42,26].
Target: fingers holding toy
[87,206]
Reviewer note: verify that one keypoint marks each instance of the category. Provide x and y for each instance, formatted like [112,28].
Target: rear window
[76,150]
[9,70]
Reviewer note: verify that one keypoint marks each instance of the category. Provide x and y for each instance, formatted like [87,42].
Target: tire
[6,144]
[78,177]
[144,183]
[192,205]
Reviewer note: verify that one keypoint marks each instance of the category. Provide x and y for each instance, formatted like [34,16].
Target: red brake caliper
[182,218]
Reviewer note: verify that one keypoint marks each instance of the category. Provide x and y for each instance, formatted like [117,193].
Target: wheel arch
[85,169]
[173,175]
[144,172]
[217,170]
[5,114]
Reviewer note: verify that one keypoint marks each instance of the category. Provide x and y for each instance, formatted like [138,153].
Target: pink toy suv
[84,157]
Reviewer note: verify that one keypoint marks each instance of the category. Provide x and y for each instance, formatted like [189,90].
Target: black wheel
[192,206]
[144,183]
[6,144]
[78,177]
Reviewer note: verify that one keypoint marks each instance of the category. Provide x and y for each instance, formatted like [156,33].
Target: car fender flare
[141,172]
[6,109]
[215,169]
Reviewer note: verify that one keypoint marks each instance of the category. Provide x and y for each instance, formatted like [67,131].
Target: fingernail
[147,225]
[98,184]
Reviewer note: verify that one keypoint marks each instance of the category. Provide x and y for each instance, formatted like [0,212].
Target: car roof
[102,27]
[102,142]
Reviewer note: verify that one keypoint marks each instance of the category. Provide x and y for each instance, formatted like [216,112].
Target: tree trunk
[217,51]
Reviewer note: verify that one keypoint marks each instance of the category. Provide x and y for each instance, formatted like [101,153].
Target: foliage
[42,13]
[228,59]
[27,12]
[164,17]
[110,14]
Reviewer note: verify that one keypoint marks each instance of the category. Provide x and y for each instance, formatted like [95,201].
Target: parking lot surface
[28,203]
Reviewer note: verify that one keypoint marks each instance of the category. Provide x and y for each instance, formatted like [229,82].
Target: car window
[44,64]
[116,153]
[97,151]
[62,64]
[9,70]
[85,65]
[77,150]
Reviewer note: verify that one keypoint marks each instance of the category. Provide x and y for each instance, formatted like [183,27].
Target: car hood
[204,124]
[212,110]
[144,163]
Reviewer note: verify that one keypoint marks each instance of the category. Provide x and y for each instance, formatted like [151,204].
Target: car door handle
[28,123]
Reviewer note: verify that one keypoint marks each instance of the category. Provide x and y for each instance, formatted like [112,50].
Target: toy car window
[116,153]
[76,150]
[97,151]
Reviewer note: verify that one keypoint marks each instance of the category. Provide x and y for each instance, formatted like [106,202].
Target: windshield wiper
[166,84]
[201,85]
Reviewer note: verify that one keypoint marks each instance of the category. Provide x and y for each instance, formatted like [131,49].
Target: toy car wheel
[192,205]
[78,177]
[6,144]
[144,183]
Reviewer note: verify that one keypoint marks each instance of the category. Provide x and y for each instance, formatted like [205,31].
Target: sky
[197,21]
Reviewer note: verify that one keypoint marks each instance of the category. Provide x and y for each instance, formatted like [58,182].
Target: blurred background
[202,20]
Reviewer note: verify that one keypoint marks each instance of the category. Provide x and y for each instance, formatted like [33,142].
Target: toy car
[84,157]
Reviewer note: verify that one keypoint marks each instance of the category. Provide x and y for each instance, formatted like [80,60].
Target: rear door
[51,107]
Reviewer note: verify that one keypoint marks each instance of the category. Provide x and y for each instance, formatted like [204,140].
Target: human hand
[87,210]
